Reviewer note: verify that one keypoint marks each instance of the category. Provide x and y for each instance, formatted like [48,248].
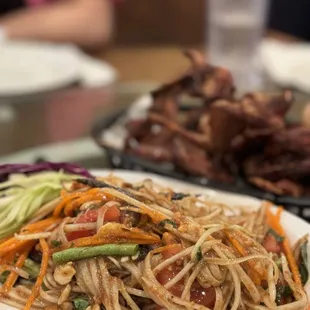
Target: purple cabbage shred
[6,170]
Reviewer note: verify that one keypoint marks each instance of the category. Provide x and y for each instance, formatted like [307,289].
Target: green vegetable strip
[276,236]
[80,303]
[168,222]
[3,276]
[74,254]
[199,255]
[25,195]
[32,268]
[24,205]
[56,243]
[303,266]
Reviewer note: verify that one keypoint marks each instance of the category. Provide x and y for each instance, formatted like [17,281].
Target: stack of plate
[33,67]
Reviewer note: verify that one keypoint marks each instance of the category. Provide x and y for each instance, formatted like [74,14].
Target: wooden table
[158,63]
[149,63]
[162,63]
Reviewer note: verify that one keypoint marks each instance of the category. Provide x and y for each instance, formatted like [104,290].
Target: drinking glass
[234,34]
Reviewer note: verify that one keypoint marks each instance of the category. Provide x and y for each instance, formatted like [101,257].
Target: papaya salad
[73,241]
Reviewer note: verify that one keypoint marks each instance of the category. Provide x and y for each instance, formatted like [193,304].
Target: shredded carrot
[7,243]
[7,267]
[8,246]
[10,281]
[63,193]
[279,213]
[9,257]
[39,281]
[30,228]
[15,245]
[62,204]
[166,247]
[4,239]
[254,274]
[71,196]
[71,207]
[40,225]
[274,222]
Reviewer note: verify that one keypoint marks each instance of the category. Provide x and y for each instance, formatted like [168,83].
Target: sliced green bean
[74,254]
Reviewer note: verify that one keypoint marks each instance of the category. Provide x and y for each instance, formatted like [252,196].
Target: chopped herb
[199,255]
[179,196]
[36,256]
[95,206]
[144,249]
[56,243]
[304,274]
[167,222]
[76,212]
[279,294]
[287,292]
[275,235]
[80,303]
[4,276]
[283,291]
[279,263]
[303,266]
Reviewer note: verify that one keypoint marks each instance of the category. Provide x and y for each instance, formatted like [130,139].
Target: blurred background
[76,78]
[50,100]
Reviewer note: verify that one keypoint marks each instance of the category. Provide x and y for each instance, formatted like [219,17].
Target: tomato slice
[171,251]
[90,216]
[203,296]
[79,234]
[271,244]
[168,273]
[199,295]
[113,214]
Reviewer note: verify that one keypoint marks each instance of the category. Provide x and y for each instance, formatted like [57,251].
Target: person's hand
[306,116]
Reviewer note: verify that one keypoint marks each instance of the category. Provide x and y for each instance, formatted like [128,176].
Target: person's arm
[87,23]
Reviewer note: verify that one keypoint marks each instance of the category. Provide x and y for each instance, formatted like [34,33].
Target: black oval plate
[121,160]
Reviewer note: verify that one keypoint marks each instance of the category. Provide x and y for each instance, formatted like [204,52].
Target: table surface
[68,114]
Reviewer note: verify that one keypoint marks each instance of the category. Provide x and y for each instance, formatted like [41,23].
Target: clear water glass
[235,31]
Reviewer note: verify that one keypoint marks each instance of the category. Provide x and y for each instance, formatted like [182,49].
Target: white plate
[294,226]
[84,148]
[286,63]
[29,67]
[32,67]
